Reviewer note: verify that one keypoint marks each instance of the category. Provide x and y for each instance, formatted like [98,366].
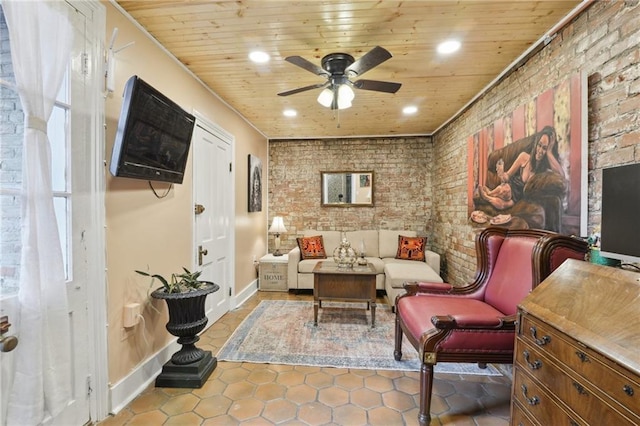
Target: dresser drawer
[538,403]
[610,379]
[519,416]
[574,391]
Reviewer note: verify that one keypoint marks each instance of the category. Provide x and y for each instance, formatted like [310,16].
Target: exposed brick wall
[402,184]
[603,42]
[11,133]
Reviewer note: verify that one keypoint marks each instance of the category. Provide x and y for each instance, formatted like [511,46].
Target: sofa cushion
[411,248]
[370,239]
[311,247]
[331,239]
[389,241]
[400,271]
[378,264]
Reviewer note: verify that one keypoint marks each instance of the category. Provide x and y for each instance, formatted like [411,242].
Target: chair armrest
[432,259]
[292,267]
[450,322]
[415,287]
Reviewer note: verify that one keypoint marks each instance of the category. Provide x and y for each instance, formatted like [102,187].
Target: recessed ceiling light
[259,57]
[289,112]
[449,46]
[408,110]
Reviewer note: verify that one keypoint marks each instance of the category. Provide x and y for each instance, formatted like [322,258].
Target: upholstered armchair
[476,322]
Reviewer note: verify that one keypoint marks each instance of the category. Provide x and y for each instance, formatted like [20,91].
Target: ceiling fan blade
[303,89]
[377,86]
[309,66]
[371,59]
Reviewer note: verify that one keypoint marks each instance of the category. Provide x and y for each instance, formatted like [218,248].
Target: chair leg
[426,387]
[397,352]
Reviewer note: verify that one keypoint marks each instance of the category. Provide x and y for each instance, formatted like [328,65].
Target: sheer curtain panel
[41,41]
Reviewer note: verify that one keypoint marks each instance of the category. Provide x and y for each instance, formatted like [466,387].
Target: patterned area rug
[282,332]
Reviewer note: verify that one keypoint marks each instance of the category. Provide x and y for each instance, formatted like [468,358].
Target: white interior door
[213,198]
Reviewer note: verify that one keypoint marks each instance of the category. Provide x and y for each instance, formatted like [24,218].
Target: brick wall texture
[402,184]
[424,187]
[11,132]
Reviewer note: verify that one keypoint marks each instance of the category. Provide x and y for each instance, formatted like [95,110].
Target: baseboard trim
[245,294]
[125,391]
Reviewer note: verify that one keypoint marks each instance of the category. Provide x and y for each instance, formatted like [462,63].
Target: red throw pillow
[311,247]
[411,248]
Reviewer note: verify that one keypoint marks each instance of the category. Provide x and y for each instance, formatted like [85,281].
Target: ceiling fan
[338,68]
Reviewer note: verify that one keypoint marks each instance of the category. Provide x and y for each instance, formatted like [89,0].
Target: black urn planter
[190,366]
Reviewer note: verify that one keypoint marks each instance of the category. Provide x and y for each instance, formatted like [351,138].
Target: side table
[273,273]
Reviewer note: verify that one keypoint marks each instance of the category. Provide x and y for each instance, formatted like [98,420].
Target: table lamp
[277,228]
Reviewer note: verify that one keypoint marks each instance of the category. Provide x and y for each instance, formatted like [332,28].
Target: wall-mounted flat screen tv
[153,137]
[620,223]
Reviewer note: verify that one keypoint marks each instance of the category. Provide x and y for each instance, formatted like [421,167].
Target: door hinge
[89,389]
[85,64]
[230,167]
[229,291]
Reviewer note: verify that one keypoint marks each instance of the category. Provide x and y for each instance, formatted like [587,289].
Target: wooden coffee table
[357,284]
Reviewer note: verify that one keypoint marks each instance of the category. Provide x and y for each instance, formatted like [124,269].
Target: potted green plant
[185,282]
[185,295]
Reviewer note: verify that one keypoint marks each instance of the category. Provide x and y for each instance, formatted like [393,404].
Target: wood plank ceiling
[213,39]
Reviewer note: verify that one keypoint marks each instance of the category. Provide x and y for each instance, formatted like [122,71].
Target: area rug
[282,332]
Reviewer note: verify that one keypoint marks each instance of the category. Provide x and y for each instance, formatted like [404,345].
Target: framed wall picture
[255,184]
[528,168]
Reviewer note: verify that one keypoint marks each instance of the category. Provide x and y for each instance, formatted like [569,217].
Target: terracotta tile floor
[266,394]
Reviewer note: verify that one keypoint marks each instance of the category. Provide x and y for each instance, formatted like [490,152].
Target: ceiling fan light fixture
[337,68]
[342,94]
[345,93]
[326,98]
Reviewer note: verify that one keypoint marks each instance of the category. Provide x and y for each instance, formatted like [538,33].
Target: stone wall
[604,43]
[402,184]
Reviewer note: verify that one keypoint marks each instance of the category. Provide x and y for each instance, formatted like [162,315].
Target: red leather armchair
[476,322]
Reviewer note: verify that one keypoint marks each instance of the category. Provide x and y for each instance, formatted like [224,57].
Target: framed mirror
[347,189]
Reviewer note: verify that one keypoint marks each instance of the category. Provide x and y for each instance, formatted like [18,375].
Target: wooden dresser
[577,353]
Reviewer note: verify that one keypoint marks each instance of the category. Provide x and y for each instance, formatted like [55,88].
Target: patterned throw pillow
[311,247]
[411,248]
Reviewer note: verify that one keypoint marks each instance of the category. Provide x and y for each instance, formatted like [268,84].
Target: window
[11,136]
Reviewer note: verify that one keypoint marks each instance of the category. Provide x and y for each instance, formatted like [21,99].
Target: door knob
[7,343]
[199,209]
[201,254]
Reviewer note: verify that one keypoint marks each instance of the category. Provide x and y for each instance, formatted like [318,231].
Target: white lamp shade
[325,98]
[345,96]
[277,226]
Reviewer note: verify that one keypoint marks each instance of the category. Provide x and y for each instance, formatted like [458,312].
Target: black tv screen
[620,230]
[153,137]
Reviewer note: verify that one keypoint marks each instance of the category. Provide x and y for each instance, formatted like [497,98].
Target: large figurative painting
[255,184]
[528,169]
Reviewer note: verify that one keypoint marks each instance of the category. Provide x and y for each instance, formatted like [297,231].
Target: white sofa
[380,248]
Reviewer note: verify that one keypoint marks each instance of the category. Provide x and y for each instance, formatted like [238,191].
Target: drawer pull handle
[582,356]
[535,365]
[541,342]
[580,388]
[534,400]
[628,390]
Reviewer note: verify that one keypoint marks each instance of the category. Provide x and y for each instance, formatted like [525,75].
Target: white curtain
[41,41]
